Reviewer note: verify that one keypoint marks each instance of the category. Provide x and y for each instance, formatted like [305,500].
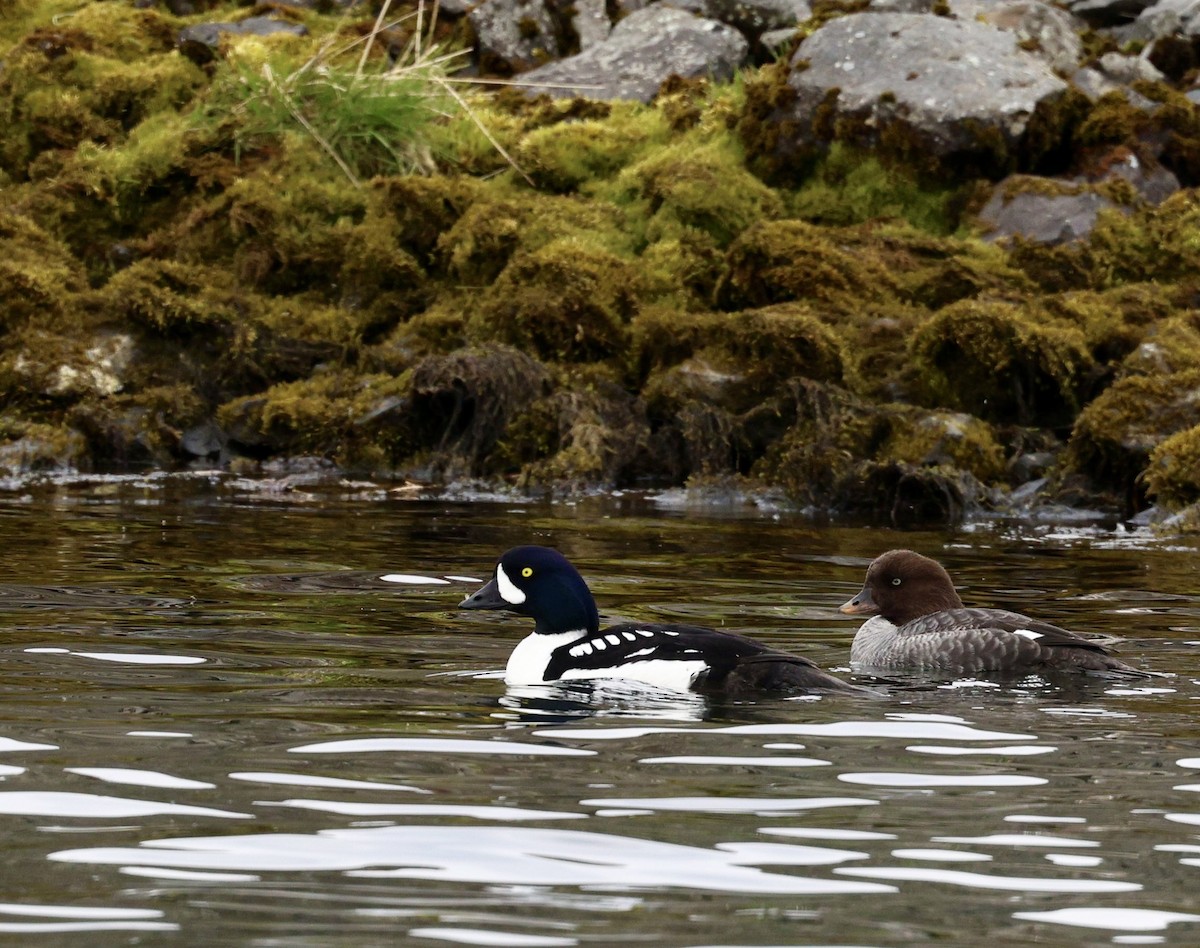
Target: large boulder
[955,94]
[644,49]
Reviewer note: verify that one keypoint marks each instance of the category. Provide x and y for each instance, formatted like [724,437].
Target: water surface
[219,725]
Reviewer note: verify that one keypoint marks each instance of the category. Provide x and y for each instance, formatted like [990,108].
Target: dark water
[218,726]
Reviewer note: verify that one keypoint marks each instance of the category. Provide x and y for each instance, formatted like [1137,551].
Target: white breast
[528,661]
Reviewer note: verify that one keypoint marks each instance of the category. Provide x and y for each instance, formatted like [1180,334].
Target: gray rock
[949,83]
[1128,69]
[1047,32]
[1152,181]
[751,17]
[776,41]
[645,48]
[1043,218]
[203,441]
[591,23]
[901,6]
[514,34]
[201,41]
[43,450]
[1093,83]
[1107,12]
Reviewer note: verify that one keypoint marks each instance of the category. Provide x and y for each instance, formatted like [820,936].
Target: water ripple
[1115,919]
[899,730]
[436,745]
[498,855]
[61,803]
[757,805]
[974,880]
[941,780]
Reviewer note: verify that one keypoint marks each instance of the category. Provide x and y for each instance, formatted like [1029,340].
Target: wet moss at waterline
[555,294]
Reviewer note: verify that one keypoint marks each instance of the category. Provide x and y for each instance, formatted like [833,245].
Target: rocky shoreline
[903,260]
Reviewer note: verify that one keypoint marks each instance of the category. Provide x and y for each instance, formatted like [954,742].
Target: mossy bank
[560,295]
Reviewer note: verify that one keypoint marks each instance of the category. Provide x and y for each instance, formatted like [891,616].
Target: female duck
[567,643]
[918,621]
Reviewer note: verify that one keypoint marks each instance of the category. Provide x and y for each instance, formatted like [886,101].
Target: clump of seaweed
[566,301]
[996,360]
[1113,437]
[1172,476]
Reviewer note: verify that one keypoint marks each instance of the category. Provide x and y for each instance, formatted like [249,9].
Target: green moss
[38,278]
[1002,363]
[489,234]
[1173,474]
[567,156]
[92,79]
[567,300]
[423,208]
[944,439]
[324,414]
[849,186]
[589,430]
[749,352]
[778,261]
[31,447]
[705,188]
[1114,435]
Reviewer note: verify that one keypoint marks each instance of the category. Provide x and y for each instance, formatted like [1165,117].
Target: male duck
[567,643]
[918,621]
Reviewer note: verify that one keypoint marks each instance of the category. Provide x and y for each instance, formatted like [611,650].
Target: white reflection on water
[1073,860]
[739,761]
[817,832]
[132,658]
[757,805]
[504,855]
[899,727]
[437,745]
[58,803]
[139,778]
[940,855]
[504,813]
[79,918]
[311,780]
[975,880]
[785,854]
[941,780]
[1032,818]
[8,745]
[1008,750]
[1021,839]
[1116,919]
[480,936]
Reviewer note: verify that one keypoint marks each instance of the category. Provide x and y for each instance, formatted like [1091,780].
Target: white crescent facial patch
[508,590]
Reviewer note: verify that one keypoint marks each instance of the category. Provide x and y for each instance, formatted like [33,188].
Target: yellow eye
[527,572]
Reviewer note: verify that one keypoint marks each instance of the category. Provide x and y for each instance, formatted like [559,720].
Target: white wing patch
[584,648]
[672,675]
[508,589]
[1028,634]
[613,639]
